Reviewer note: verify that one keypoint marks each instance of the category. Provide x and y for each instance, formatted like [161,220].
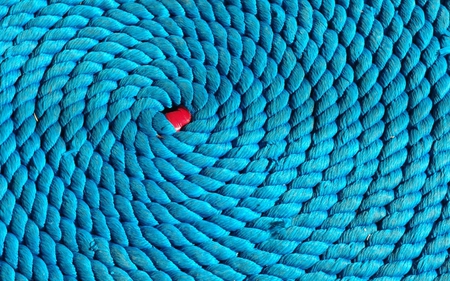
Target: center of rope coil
[179,117]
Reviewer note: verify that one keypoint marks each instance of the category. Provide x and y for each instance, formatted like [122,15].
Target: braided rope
[318,147]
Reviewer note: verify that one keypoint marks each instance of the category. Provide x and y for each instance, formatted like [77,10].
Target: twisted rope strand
[317,147]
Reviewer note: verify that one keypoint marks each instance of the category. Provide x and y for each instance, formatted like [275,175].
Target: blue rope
[319,145]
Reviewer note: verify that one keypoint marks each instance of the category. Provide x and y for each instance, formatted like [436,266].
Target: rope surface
[319,145]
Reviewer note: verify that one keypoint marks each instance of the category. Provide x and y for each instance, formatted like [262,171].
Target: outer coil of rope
[319,146]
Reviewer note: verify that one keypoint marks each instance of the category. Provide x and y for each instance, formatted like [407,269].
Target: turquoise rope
[319,146]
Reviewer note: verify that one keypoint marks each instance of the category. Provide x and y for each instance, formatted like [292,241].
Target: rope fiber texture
[318,148]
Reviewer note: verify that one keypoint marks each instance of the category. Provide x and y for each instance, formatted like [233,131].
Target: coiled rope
[318,149]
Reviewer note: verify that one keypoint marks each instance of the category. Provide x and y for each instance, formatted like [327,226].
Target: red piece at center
[179,118]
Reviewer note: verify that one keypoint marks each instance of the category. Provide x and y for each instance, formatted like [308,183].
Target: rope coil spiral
[318,147]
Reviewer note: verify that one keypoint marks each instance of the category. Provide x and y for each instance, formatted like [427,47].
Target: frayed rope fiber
[224,140]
